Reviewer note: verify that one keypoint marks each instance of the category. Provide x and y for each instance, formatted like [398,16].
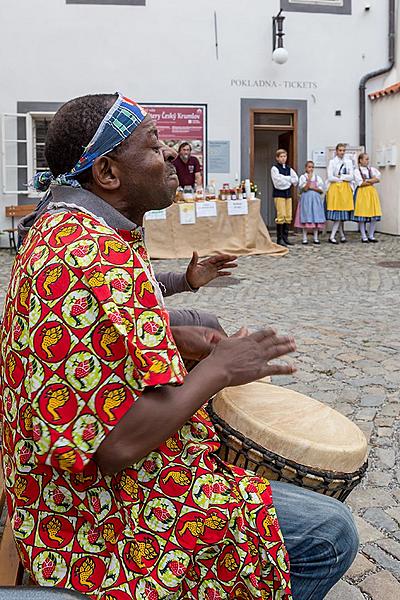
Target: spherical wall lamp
[279,54]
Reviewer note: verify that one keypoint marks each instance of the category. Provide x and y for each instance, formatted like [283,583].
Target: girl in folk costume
[310,214]
[367,204]
[339,199]
[283,177]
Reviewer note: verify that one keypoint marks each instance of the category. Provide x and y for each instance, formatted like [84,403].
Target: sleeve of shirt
[321,183]
[294,179]
[173,283]
[331,172]
[302,182]
[197,165]
[376,173]
[99,335]
[281,182]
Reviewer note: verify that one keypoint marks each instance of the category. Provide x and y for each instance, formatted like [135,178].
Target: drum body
[283,435]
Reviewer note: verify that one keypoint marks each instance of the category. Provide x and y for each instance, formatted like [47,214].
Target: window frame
[294,6]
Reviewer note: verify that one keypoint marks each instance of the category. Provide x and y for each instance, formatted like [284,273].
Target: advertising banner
[177,123]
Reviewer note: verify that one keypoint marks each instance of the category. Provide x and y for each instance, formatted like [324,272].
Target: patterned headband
[118,124]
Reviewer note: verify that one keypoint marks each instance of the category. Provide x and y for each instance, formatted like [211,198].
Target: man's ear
[105,173]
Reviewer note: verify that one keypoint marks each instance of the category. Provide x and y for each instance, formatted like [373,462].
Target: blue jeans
[320,536]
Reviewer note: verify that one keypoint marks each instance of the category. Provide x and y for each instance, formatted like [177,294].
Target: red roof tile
[392,89]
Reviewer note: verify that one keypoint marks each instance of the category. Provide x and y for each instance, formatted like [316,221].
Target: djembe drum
[283,435]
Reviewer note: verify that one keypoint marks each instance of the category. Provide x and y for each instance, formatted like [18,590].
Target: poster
[177,123]
[219,156]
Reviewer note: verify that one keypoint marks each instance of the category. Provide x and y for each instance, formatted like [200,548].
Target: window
[121,2]
[23,138]
[321,6]
[273,118]
[40,126]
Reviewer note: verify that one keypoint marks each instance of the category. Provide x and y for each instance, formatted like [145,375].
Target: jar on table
[188,195]
[199,194]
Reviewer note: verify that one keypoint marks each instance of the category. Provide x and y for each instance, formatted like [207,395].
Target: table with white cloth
[240,234]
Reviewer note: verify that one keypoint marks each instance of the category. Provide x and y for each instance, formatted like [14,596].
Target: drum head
[293,426]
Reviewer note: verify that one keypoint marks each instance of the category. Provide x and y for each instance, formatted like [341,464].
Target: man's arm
[198,179]
[281,182]
[198,273]
[174,283]
[161,412]
[331,173]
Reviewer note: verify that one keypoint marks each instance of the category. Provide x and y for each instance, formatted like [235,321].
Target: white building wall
[386,133]
[165,52]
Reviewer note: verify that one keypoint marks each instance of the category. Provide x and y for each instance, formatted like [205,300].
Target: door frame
[275,129]
[269,105]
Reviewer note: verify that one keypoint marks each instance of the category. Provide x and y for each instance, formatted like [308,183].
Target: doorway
[271,129]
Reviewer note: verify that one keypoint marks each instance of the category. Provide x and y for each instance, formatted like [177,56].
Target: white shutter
[19,148]
[16,153]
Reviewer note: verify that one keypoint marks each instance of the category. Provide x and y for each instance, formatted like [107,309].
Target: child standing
[283,177]
[367,204]
[339,199]
[310,212]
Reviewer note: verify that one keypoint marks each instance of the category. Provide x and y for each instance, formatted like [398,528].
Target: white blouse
[316,179]
[360,171]
[336,167]
[283,182]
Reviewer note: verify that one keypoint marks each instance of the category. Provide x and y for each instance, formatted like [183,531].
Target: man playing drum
[112,483]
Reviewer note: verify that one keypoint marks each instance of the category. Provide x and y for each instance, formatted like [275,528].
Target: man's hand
[201,272]
[245,358]
[195,343]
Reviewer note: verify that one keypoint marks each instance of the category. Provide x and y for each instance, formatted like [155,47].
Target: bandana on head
[118,124]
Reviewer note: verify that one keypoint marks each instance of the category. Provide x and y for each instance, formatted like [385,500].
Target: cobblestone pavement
[343,309]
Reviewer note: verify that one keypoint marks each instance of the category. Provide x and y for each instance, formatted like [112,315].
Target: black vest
[283,170]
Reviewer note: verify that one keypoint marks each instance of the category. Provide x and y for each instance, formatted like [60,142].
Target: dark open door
[286,143]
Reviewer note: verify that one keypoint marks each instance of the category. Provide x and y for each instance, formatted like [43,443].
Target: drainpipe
[364,80]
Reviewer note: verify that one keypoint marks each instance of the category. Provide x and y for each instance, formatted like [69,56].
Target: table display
[210,227]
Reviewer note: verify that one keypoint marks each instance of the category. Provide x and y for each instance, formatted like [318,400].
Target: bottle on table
[210,191]
[179,194]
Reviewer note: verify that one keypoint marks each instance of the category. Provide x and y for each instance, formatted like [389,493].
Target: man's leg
[288,210]
[288,220]
[280,220]
[320,536]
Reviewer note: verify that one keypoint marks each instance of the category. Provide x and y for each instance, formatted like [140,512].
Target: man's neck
[99,204]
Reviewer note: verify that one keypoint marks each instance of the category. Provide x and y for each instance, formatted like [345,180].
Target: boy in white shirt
[283,177]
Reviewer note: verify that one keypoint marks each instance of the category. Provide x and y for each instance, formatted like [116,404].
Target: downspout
[363,83]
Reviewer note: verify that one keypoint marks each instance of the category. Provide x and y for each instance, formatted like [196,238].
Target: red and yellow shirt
[84,333]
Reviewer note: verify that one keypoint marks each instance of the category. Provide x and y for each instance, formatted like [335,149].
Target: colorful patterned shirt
[84,333]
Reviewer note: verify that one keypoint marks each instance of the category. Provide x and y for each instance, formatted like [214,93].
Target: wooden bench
[16,212]
[11,569]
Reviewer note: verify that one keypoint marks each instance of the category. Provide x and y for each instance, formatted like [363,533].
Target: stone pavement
[343,309]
